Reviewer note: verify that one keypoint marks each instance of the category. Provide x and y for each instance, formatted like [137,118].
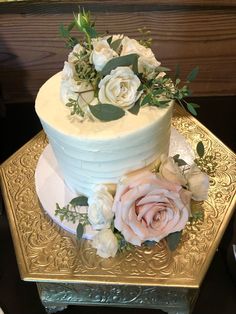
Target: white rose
[106,243]
[76,50]
[120,88]
[100,204]
[170,171]
[68,71]
[198,183]
[101,53]
[83,92]
[147,61]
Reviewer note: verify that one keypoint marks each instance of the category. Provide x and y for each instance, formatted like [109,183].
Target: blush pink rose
[148,207]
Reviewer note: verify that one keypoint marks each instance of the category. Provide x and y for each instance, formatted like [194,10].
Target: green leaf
[80,231]
[146,100]
[176,157]
[177,71]
[173,240]
[192,75]
[71,26]
[79,201]
[131,59]
[135,109]
[63,31]
[109,40]
[162,69]
[116,44]
[200,149]
[107,112]
[191,109]
[181,162]
[91,31]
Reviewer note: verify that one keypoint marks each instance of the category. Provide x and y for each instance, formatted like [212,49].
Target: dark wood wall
[184,32]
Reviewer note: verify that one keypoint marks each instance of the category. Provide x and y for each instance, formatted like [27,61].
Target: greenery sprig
[71,213]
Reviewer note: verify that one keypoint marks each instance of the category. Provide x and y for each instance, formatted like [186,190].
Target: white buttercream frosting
[96,152]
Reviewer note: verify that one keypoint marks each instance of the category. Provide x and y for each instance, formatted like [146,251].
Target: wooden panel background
[187,33]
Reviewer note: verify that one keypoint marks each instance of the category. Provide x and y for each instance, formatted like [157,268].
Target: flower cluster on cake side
[104,77]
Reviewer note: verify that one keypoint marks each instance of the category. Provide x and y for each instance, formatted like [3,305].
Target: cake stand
[68,271]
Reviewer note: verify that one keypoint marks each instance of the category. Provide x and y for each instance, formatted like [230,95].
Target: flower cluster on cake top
[107,75]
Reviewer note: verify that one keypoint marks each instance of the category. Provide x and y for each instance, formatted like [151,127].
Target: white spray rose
[146,61]
[101,53]
[120,88]
[100,204]
[170,171]
[198,183]
[70,88]
[68,71]
[76,50]
[106,243]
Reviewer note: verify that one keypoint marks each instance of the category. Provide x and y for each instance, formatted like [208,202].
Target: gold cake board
[68,271]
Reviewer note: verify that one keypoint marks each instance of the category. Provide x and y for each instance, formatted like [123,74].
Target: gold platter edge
[26,275]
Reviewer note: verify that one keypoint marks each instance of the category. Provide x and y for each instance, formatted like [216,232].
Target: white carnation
[106,243]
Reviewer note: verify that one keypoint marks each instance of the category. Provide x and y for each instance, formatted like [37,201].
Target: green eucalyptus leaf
[192,75]
[109,40]
[107,112]
[146,100]
[135,109]
[191,109]
[164,102]
[116,44]
[173,240]
[79,201]
[181,162]
[80,231]
[176,157]
[131,59]
[200,149]
[162,69]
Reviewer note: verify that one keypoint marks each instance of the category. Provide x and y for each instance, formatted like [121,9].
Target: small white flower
[101,53]
[76,50]
[106,243]
[100,204]
[170,171]
[198,183]
[68,71]
[120,88]
[146,61]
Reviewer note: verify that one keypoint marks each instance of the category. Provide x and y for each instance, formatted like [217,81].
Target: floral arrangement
[147,206]
[107,75]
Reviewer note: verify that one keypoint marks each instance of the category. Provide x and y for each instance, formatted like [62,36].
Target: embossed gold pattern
[45,252]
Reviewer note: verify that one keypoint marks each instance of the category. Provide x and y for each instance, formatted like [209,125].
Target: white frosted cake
[107,116]
[93,152]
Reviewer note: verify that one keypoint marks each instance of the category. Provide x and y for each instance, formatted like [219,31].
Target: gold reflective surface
[45,252]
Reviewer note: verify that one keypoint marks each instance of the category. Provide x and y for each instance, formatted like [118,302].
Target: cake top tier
[51,110]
